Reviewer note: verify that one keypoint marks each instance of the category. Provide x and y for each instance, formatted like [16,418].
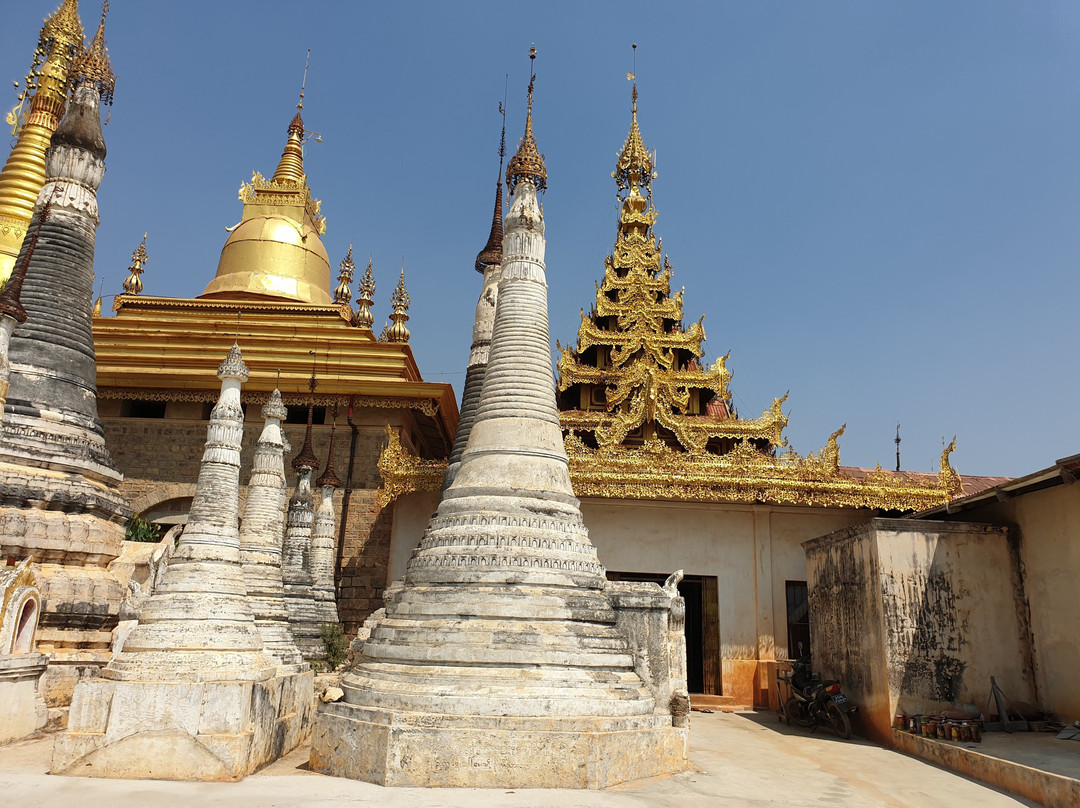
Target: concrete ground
[741,760]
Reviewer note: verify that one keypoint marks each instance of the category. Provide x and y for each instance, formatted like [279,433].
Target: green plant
[334,640]
[138,529]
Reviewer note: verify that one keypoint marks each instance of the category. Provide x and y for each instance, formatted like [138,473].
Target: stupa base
[213,731]
[392,748]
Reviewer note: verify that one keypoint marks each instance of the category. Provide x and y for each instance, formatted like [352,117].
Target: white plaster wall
[411,515]
[1049,523]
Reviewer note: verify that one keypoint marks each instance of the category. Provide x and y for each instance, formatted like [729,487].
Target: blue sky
[875,205]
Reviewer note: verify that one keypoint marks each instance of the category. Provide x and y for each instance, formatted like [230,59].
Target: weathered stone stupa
[57,481]
[324,542]
[262,535]
[489,264]
[304,622]
[192,695]
[500,660]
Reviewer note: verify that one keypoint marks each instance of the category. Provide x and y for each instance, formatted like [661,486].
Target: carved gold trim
[744,475]
[426,406]
[403,473]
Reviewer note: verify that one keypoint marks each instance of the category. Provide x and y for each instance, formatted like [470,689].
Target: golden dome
[276,251]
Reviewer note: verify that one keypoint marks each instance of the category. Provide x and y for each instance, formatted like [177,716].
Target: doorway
[702,626]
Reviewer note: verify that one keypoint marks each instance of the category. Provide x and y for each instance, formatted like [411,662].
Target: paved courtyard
[740,759]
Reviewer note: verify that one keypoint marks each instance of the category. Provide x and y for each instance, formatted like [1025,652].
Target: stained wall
[916,615]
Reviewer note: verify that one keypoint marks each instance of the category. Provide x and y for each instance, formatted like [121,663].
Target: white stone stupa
[502,660]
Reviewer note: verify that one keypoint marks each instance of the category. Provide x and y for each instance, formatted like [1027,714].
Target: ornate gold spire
[364,318]
[93,64]
[398,332]
[527,160]
[23,175]
[133,284]
[492,252]
[634,168]
[275,250]
[343,294]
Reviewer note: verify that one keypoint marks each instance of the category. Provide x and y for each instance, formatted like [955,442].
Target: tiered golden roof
[37,113]
[643,418]
[166,349]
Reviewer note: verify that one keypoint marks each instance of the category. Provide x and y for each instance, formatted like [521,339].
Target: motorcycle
[812,702]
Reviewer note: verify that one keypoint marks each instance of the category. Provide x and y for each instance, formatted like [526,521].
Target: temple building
[670,476]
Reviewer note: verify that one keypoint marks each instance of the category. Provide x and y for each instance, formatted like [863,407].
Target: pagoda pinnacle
[329,476]
[307,459]
[45,90]
[93,64]
[364,317]
[492,252]
[634,167]
[398,332]
[133,284]
[343,291]
[527,160]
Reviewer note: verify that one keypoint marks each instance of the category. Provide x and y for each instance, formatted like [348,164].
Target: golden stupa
[275,250]
[36,115]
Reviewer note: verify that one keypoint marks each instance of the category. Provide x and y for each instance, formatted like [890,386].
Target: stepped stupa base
[392,748]
[211,731]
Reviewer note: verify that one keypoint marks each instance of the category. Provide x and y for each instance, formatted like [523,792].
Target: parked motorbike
[812,701]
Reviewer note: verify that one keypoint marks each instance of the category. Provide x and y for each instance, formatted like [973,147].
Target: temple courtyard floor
[740,759]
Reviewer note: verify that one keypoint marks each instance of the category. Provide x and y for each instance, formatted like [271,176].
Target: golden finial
[303,83]
[634,168]
[343,293]
[60,41]
[291,166]
[364,318]
[527,160]
[398,332]
[93,64]
[97,303]
[133,284]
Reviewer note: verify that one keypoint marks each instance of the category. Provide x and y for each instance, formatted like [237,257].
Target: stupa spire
[399,332]
[364,302]
[492,252]
[93,64]
[306,458]
[634,167]
[345,274]
[489,262]
[527,160]
[37,113]
[133,284]
[291,166]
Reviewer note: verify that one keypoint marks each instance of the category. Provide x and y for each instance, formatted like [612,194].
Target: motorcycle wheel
[838,720]
[795,710]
